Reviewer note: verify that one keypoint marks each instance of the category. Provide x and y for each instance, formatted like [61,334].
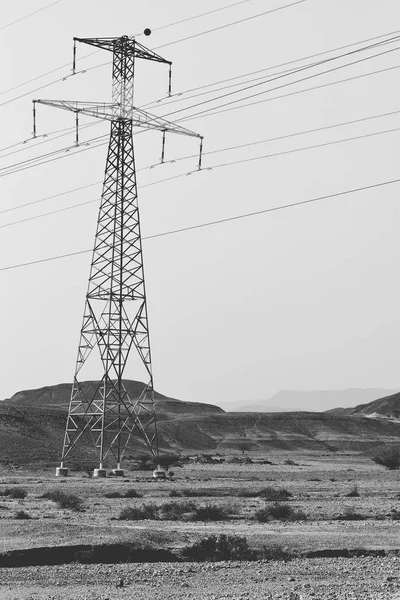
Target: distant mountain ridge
[315,401]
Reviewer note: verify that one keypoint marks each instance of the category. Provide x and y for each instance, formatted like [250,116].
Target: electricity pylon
[115,317]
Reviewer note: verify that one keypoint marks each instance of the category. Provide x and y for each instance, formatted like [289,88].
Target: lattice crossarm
[145,120]
[99,110]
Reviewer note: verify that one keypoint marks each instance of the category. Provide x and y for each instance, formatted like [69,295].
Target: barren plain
[335,546]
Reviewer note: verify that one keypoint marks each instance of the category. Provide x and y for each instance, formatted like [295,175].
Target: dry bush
[138,513]
[132,493]
[174,511]
[113,495]
[279,512]
[63,499]
[274,553]
[210,512]
[219,547]
[15,492]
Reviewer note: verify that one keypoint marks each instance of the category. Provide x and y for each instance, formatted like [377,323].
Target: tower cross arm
[128,43]
[112,112]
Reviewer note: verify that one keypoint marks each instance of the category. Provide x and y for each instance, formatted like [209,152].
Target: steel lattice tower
[115,318]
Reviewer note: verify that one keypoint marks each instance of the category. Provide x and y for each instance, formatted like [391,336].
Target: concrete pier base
[99,473]
[159,474]
[61,472]
[118,472]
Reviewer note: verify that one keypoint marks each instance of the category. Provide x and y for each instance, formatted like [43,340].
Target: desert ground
[339,538]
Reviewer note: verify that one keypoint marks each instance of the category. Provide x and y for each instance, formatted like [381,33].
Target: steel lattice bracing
[115,317]
[115,322]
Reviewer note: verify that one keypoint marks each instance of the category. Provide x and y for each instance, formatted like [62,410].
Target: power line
[49,73]
[316,87]
[222,165]
[267,12]
[30,14]
[107,63]
[216,110]
[220,221]
[230,148]
[63,133]
[254,85]
[210,12]
[42,87]
[167,100]
[66,152]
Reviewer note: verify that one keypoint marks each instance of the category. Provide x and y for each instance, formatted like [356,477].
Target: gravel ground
[363,578]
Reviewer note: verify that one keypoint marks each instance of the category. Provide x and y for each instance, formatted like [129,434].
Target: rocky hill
[58,396]
[32,428]
[383,408]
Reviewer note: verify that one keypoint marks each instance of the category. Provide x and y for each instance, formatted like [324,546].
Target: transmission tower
[115,318]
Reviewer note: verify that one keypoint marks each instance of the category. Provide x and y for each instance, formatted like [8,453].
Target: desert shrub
[210,512]
[21,514]
[389,457]
[219,547]
[395,514]
[353,492]
[132,493]
[271,494]
[63,499]
[16,493]
[350,515]
[173,511]
[280,512]
[138,513]
[175,494]
[274,553]
[113,495]
[290,463]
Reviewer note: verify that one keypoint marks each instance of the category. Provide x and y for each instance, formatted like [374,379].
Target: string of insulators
[34,118]
[200,153]
[163,147]
[170,80]
[74,58]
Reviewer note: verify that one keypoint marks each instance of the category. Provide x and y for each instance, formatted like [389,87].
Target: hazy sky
[305,298]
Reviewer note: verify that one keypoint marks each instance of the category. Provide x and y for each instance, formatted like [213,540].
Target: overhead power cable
[231,148]
[212,167]
[267,12]
[167,101]
[107,63]
[221,221]
[210,12]
[310,89]
[35,12]
[300,69]
[49,73]
[62,133]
